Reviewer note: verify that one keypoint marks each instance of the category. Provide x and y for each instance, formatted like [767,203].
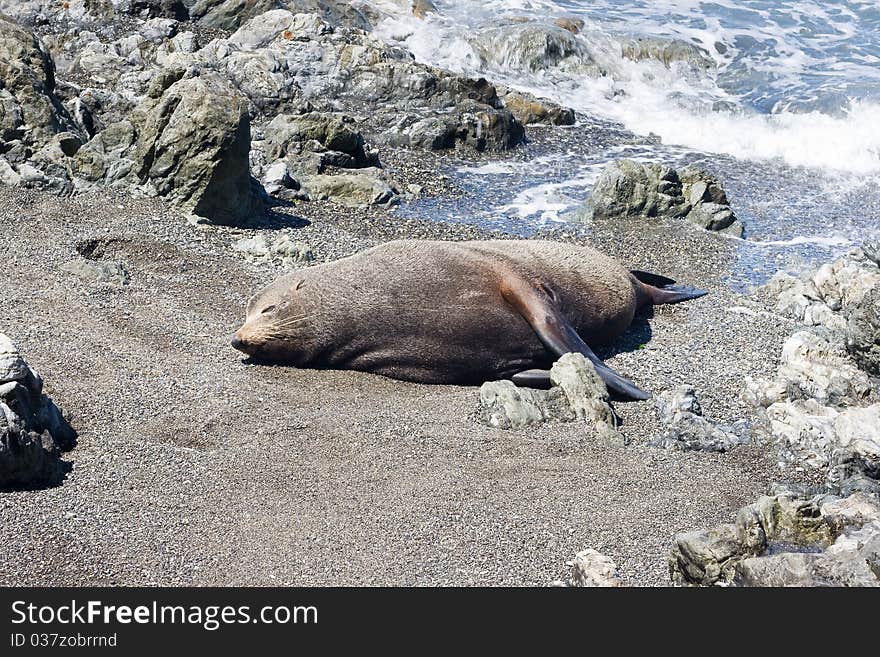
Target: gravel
[193,468]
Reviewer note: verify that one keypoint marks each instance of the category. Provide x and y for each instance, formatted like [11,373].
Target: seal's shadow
[635,337]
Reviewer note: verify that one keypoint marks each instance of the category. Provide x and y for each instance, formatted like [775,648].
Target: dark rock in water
[863,332]
[193,148]
[667,51]
[633,189]
[687,429]
[871,249]
[33,431]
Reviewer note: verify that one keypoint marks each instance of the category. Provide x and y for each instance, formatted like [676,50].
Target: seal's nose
[237,343]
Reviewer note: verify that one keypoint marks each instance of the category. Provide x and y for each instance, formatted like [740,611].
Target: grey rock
[352,189]
[505,406]
[530,110]
[193,145]
[863,332]
[871,249]
[594,570]
[633,189]
[283,250]
[687,429]
[33,431]
[231,14]
[577,393]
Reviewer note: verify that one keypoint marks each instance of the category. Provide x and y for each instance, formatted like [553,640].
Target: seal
[454,312]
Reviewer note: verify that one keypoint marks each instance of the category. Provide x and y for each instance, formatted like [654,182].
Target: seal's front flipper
[532,379]
[538,306]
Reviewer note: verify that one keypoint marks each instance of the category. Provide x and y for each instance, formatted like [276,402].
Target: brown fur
[434,312]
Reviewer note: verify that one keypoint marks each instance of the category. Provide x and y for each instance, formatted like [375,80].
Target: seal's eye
[268,309]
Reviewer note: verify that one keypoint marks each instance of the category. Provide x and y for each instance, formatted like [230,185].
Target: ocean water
[779,98]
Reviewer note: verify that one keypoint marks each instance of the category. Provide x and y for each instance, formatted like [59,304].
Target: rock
[687,429]
[505,406]
[592,569]
[668,52]
[633,189]
[529,110]
[863,332]
[577,393]
[785,540]
[98,271]
[30,112]
[33,430]
[812,368]
[706,557]
[176,9]
[871,249]
[421,8]
[277,178]
[230,14]
[193,145]
[352,189]
[573,25]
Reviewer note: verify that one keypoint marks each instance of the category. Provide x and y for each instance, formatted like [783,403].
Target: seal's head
[276,322]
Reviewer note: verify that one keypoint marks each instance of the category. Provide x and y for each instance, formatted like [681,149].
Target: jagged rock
[871,249]
[277,179]
[824,297]
[29,110]
[863,332]
[633,189]
[577,393]
[853,560]
[33,430]
[98,271]
[230,14]
[593,569]
[193,146]
[687,429]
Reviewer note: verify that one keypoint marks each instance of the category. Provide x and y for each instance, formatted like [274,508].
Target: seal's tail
[661,290]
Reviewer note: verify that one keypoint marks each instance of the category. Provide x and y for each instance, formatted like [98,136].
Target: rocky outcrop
[33,122]
[353,189]
[687,429]
[284,250]
[826,296]
[786,540]
[231,14]
[33,431]
[577,393]
[633,189]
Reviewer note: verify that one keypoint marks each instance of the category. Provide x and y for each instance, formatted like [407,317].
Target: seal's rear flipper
[532,379]
[537,305]
[651,279]
[673,294]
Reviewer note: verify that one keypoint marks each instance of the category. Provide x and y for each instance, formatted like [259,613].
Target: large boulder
[231,14]
[33,431]
[633,189]
[193,147]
